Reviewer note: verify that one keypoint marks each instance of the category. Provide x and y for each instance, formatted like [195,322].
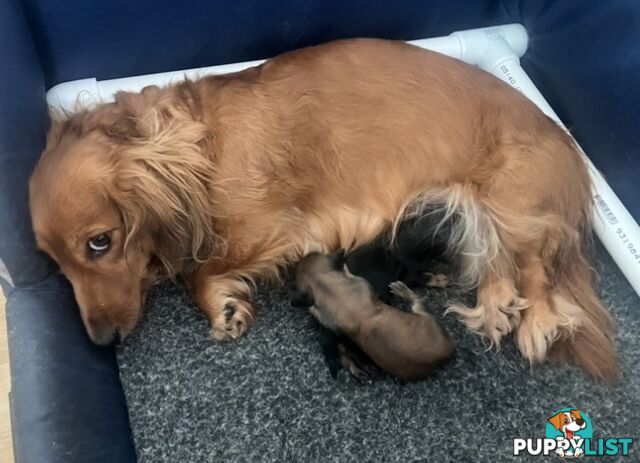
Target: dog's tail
[591,344]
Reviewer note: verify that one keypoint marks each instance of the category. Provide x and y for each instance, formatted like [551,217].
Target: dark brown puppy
[407,345]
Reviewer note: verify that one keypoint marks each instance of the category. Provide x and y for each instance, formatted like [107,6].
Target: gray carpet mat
[269,395]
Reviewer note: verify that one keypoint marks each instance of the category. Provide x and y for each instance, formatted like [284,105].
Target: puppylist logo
[569,434]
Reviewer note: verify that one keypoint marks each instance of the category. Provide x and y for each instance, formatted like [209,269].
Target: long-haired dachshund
[229,178]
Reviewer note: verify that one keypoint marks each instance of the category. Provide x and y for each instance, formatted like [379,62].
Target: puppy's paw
[436,280]
[234,319]
[401,290]
[364,371]
[362,375]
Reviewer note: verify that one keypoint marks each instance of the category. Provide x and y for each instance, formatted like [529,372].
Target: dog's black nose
[579,421]
[114,340]
[117,339]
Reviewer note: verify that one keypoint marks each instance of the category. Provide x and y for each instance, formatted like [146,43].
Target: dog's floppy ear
[557,421]
[337,259]
[135,116]
[163,183]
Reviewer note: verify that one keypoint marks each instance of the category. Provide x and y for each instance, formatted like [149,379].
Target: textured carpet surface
[269,396]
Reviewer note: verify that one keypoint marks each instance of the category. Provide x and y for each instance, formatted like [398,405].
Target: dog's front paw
[234,319]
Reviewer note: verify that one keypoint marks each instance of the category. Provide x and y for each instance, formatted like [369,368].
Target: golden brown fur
[228,178]
[407,345]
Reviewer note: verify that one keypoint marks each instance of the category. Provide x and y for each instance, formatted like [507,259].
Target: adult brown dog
[231,177]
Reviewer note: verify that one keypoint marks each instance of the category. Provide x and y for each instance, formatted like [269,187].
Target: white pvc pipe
[83,93]
[495,49]
[613,224]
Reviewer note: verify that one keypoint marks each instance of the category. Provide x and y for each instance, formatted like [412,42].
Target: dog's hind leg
[499,306]
[475,240]
[565,316]
[486,262]
[541,322]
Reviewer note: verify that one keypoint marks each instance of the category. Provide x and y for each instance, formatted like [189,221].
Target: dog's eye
[99,244]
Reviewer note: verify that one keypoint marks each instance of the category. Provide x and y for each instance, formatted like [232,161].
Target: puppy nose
[579,421]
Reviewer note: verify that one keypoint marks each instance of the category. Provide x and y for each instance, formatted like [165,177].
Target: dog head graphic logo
[569,434]
[571,425]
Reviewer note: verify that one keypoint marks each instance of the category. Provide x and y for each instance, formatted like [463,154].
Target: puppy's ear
[557,421]
[337,259]
[301,300]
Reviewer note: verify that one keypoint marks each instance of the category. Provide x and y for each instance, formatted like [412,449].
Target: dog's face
[77,222]
[121,198]
[568,421]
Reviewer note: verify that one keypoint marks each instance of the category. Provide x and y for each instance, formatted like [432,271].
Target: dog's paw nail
[233,321]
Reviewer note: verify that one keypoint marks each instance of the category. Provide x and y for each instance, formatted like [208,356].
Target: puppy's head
[118,200]
[311,266]
[317,264]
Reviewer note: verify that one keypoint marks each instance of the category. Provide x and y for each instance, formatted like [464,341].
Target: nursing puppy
[407,257]
[407,345]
